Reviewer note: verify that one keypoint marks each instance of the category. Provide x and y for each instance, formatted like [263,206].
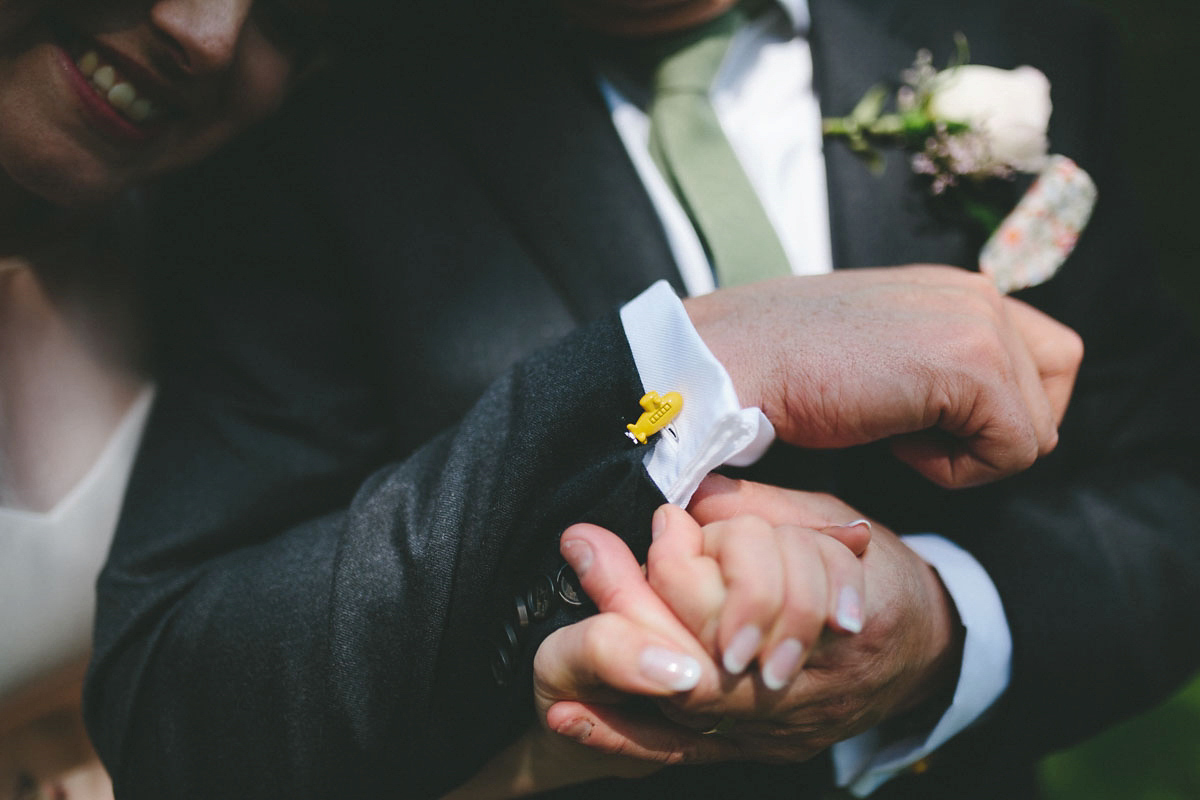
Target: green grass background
[1153,757]
[1157,755]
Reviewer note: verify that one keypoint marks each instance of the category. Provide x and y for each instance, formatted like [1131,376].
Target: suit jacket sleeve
[1094,550]
[280,616]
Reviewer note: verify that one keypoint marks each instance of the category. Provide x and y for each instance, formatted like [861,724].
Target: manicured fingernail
[866,522]
[782,664]
[578,554]
[658,523]
[741,649]
[579,730]
[849,610]
[671,670]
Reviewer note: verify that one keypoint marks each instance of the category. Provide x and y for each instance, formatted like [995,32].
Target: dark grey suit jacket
[391,375]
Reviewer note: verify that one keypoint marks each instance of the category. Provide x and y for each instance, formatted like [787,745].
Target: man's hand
[973,384]
[904,656]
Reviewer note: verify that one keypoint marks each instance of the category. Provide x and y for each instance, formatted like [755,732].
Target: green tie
[687,143]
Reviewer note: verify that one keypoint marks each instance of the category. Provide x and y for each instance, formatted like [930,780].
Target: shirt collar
[797,14]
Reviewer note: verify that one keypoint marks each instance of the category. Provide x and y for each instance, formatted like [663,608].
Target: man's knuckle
[1047,443]
[981,343]
[1027,456]
[842,707]
[1073,348]
[983,288]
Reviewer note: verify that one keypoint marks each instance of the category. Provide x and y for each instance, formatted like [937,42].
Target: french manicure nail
[866,522]
[849,610]
[579,730]
[741,649]
[578,554]
[671,670]
[782,664]
[658,523]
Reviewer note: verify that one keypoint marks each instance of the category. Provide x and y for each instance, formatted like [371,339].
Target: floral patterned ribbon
[1035,239]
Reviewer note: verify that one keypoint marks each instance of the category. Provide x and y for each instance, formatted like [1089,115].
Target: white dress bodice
[72,410]
[49,562]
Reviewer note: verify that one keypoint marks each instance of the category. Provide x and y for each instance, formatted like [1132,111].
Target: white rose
[1010,108]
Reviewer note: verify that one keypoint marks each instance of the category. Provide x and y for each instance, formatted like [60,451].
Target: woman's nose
[204,33]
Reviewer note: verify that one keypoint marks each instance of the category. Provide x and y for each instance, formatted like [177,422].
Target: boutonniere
[965,127]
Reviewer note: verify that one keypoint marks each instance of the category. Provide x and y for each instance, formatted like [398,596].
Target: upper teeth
[119,92]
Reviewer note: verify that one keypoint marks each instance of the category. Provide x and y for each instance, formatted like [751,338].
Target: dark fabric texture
[391,376]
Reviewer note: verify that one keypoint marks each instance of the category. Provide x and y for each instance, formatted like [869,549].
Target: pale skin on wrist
[533,763]
[542,760]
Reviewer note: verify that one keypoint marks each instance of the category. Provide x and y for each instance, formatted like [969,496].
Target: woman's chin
[74,186]
[641,18]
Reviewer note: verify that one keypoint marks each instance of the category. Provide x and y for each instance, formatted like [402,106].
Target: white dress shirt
[767,106]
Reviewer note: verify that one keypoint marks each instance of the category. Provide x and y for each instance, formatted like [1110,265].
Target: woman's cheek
[261,80]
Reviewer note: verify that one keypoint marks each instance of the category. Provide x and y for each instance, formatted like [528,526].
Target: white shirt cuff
[713,429]
[864,763]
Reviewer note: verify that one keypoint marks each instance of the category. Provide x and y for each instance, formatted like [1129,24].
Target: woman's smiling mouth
[120,93]
[125,97]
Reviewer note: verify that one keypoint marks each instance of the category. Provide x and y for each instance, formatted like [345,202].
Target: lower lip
[101,113]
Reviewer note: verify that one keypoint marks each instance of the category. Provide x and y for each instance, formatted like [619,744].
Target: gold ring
[723,728]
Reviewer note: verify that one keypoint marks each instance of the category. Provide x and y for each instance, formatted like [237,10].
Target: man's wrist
[712,325]
[714,428]
[984,647]
[937,681]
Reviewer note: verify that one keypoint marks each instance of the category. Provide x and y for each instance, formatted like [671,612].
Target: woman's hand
[749,589]
[585,675]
